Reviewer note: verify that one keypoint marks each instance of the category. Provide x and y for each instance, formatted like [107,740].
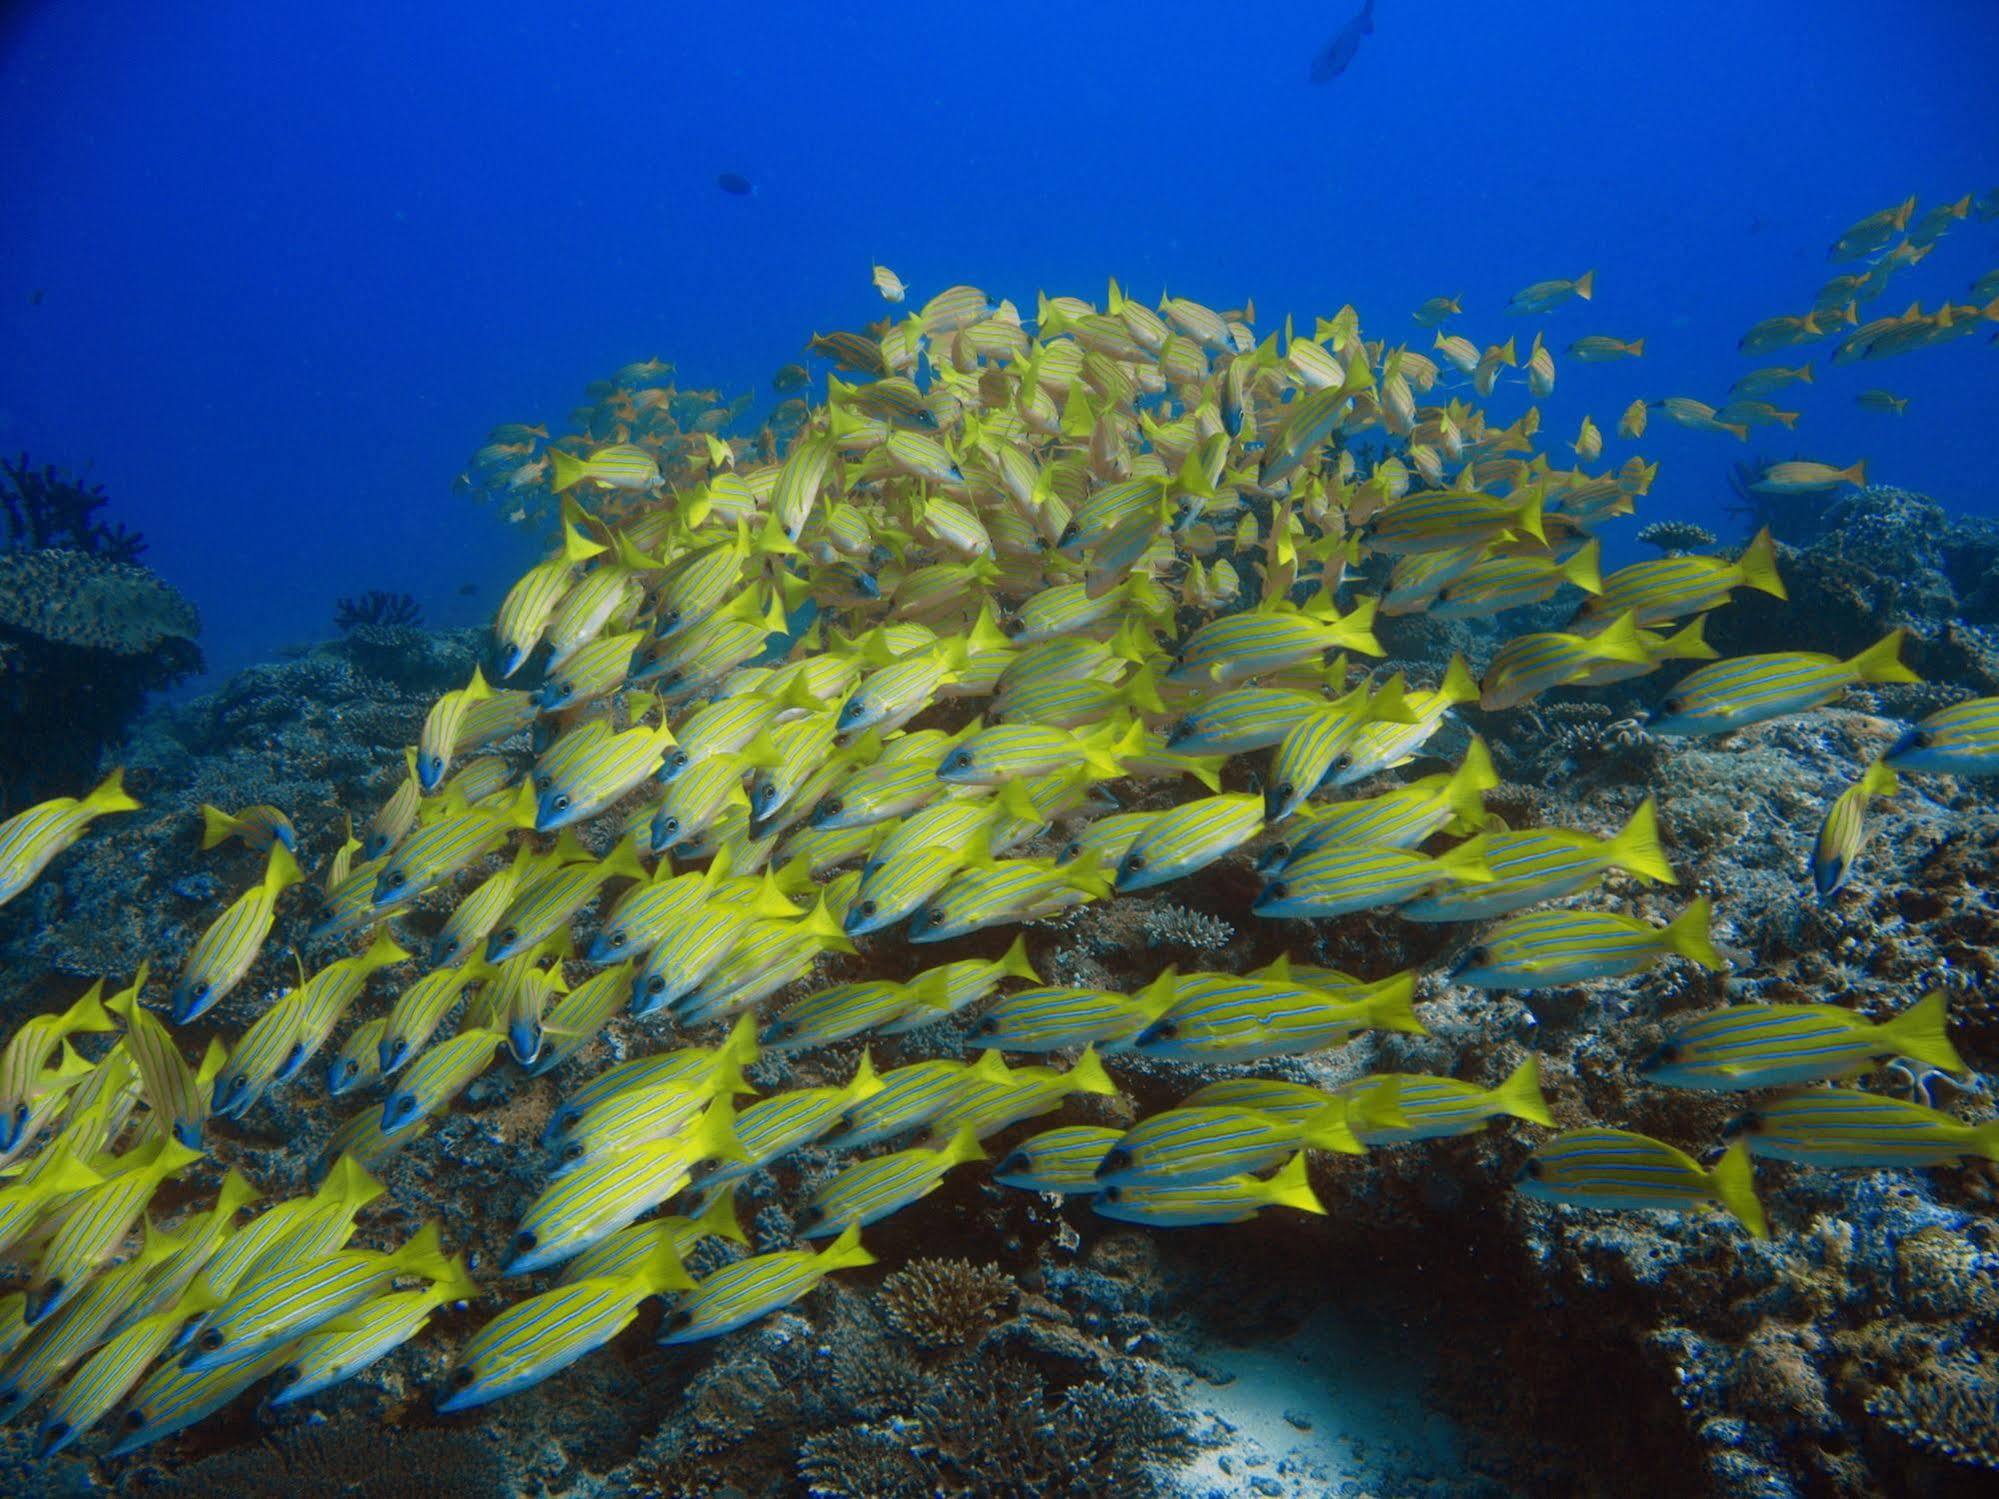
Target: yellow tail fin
[110,796]
[1882,661]
[1735,1189]
[844,1253]
[1687,935]
[1328,1129]
[1520,1095]
[1391,1004]
[1290,1188]
[1920,1032]
[1637,848]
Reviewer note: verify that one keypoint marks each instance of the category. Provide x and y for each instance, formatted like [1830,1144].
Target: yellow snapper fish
[614,466]
[739,1294]
[1765,1046]
[24,1066]
[1961,740]
[545,1334]
[30,839]
[1804,477]
[1845,1127]
[889,284]
[1547,949]
[1614,1168]
[1747,690]
[1230,1199]
[1195,1143]
[1844,832]
[1545,296]
[256,826]
[223,955]
[1420,1107]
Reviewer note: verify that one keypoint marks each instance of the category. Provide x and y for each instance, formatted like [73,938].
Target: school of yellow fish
[1003,627]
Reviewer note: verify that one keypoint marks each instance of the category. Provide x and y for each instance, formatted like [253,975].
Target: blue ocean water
[269,273]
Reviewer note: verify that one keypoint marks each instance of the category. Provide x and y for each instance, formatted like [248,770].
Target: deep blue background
[295,261]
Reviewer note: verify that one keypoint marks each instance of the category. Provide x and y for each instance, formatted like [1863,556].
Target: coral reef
[1676,536]
[942,1303]
[82,643]
[375,607]
[46,509]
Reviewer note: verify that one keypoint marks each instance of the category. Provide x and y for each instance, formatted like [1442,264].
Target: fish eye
[986,1026]
[811,1214]
[1134,862]
[672,678]
[134,1419]
[562,689]
[655,984]
[525,1239]
[1670,1052]
[1277,889]
[1168,1028]
[21,1112]
[543,781]
[868,908]
[573,1151]
[510,935]
[1116,1160]
[1533,1169]
[58,1428]
[211,1340]
[935,915]
[1113,1194]
[462,1376]
[832,806]
[618,939]
[1016,1161]
[669,618]
[668,826]
[562,802]
[677,1320]
[289,1374]
[1285,790]
[54,1287]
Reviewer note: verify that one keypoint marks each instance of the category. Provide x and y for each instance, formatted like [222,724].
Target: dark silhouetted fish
[742,187]
[1341,50]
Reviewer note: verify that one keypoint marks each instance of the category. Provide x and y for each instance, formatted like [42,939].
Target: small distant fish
[1546,296]
[1614,1168]
[1802,477]
[790,377]
[467,590]
[736,184]
[1597,348]
[1338,54]
[889,284]
[1873,232]
[1434,311]
[1882,400]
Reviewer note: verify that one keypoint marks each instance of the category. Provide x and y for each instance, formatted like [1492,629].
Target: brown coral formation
[945,1303]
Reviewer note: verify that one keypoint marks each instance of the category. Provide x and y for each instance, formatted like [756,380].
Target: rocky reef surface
[1435,1334]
